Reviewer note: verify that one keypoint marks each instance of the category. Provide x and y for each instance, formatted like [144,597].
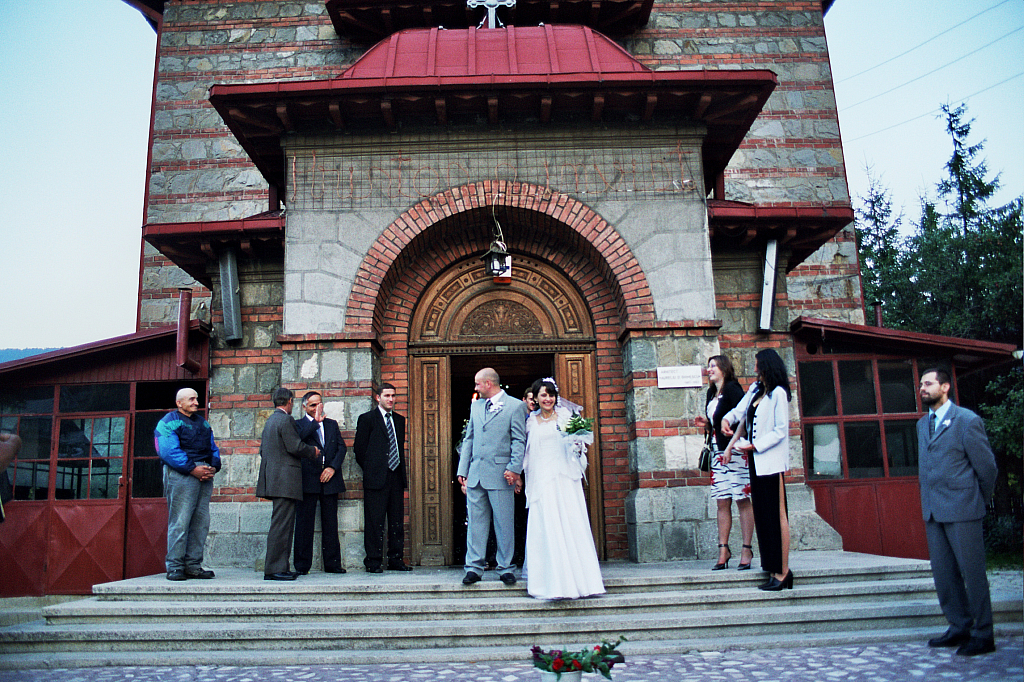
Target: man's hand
[701,421]
[204,472]
[462,482]
[511,477]
[318,414]
[328,474]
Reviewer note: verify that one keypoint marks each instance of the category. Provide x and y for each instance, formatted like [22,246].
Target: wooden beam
[335,110]
[597,109]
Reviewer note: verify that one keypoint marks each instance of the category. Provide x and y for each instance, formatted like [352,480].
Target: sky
[76,111]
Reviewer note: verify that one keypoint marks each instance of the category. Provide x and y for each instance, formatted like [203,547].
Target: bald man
[184,441]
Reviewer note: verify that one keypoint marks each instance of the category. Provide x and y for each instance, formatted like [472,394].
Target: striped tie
[393,455]
[931,425]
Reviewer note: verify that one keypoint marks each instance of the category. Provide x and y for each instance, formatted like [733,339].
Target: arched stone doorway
[536,326]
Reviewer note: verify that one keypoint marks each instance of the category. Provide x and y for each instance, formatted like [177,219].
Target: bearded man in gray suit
[490,468]
[957,472]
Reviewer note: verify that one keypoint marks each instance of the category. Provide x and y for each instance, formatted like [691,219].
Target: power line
[912,80]
[936,109]
[937,35]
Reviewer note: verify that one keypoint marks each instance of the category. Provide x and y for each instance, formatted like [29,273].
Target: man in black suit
[379,445]
[321,482]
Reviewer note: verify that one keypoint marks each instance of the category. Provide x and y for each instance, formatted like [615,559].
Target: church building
[350,192]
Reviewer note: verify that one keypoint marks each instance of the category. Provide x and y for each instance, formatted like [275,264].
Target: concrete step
[571,627]
[510,603]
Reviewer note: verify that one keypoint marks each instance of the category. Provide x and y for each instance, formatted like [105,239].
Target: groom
[490,465]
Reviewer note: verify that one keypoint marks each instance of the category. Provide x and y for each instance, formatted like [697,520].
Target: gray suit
[957,472]
[280,480]
[495,442]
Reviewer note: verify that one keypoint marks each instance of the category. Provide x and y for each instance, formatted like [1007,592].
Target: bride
[561,561]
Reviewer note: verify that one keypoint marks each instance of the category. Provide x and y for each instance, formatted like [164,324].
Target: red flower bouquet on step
[598,659]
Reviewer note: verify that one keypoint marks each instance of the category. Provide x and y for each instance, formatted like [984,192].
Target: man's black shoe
[471,578]
[286,575]
[508,578]
[375,570]
[977,646]
[176,575]
[199,574]
[335,570]
[399,567]
[949,639]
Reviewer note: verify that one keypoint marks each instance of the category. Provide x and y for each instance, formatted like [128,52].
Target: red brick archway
[467,209]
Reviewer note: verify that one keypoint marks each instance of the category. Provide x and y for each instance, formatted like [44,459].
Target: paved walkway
[881,662]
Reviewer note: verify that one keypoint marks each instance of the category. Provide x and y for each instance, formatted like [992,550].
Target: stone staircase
[427,615]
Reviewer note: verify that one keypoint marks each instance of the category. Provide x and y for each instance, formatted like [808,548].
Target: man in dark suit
[957,472]
[280,481]
[379,446]
[322,482]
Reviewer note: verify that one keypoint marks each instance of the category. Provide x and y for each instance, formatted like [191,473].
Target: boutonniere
[495,407]
[946,422]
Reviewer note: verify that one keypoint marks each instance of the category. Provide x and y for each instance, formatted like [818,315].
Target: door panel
[430,462]
[86,546]
[22,546]
[577,381]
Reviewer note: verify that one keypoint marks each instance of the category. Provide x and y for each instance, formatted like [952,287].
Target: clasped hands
[204,472]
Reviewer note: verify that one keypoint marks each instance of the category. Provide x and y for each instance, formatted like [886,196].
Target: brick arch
[466,212]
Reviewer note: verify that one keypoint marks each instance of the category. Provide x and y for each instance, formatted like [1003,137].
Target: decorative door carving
[430,487]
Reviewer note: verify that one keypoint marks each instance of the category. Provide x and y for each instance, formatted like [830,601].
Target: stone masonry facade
[656,504]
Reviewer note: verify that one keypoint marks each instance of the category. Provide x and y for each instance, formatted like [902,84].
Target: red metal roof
[542,73]
[802,229]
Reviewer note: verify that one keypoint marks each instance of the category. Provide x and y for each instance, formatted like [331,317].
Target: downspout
[229,295]
[184,316]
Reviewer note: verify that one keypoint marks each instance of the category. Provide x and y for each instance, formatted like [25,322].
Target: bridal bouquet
[578,433]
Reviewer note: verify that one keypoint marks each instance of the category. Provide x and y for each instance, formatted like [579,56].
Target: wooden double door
[537,326]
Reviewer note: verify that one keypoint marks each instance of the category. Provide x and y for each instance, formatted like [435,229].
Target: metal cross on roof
[492,8]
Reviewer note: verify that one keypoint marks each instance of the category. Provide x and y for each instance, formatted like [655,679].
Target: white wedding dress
[561,561]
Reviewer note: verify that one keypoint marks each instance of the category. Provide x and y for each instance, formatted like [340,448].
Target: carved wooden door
[430,461]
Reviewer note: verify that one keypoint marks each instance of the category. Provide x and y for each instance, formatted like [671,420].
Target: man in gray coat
[280,481]
[957,472]
[490,467]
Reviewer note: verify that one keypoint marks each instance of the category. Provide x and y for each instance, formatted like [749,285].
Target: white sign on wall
[682,376]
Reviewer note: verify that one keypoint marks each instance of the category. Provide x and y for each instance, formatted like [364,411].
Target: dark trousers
[386,503]
[279,537]
[957,552]
[305,521]
[766,501]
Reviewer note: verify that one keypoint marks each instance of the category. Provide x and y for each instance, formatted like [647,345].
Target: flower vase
[571,676]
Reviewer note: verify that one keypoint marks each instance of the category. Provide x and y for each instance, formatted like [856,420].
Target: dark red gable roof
[542,73]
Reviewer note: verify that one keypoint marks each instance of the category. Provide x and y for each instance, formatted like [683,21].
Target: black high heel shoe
[746,566]
[725,564]
[776,585]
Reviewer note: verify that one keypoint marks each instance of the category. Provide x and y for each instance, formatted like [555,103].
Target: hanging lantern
[498,263]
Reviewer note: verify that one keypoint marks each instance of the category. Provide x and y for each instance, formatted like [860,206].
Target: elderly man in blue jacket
[184,441]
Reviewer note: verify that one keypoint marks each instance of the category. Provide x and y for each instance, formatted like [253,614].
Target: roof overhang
[371,20]
[408,80]
[93,355]
[801,229]
[191,246]
[967,354]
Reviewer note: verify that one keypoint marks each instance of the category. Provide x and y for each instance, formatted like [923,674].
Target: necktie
[931,425]
[487,405]
[393,455]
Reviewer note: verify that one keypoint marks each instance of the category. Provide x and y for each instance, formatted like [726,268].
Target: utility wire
[936,109]
[937,35]
[912,80]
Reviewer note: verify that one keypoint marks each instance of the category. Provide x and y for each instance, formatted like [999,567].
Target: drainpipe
[229,299]
[878,313]
[184,315]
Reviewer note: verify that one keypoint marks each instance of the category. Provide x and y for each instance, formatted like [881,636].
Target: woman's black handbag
[707,453]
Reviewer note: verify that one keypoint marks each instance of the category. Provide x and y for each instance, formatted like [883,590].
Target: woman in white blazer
[764,415]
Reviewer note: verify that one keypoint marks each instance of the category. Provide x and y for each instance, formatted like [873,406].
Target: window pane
[817,389]
[901,444]
[72,480]
[35,437]
[31,480]
[147,478]
[857,386]
[28,400]
[103,479]
[75,438]
[863,450]
[95,398]
[896,379]
[823,451]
